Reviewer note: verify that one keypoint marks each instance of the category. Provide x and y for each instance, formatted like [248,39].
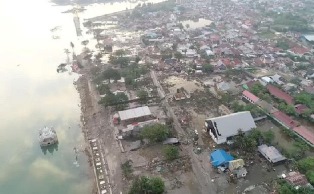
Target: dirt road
[201,171]
[96,125]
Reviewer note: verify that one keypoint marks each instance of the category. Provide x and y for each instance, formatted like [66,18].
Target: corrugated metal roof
[271,153]
[134,113]
[229,125]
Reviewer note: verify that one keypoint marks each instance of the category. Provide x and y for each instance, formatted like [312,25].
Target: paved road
[202,174]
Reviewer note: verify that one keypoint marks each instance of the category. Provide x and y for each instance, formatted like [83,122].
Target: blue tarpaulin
[220,157]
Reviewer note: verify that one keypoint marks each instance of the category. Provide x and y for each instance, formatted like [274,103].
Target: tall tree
[111,74]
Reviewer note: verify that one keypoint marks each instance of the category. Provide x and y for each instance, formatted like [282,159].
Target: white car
[98,164]
[103,191]
[95,148]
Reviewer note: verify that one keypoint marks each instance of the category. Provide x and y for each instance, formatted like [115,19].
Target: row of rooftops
[282,118]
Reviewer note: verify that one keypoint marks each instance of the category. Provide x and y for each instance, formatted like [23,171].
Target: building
[276,92]
[235,164]
[284,120]
[223,128]
[308,38]
[296,179]
[220,158]
[305,134]
[134,115]
[249,97]
[301,108]
[271,154]
[47,136]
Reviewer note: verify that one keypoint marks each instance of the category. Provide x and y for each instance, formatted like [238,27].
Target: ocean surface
[34,95]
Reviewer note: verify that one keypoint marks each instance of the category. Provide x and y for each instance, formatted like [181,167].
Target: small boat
[47,136]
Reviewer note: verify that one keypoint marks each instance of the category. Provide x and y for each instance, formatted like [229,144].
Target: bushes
[171,152]
[306,166]
[145,185]
[127,169]
[155,133]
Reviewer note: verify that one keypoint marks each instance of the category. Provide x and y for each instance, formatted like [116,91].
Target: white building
[135,115]
[223,128]
[47,136]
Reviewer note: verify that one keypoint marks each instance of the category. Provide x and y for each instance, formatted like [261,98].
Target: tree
[143,96]
[178,55]
[286,188]
[146,185]
[103,89]
[171,152]
[226,98]
[283,45]
[118,100]
[258,89]
[245,143]
[108,100]
[256,134]
[289,109]
[137,59]
[266,97]
[306,165]
[111,74]
[187,25]
[120,52]
[155,133]
[121,99]
[84,43]
[208,68]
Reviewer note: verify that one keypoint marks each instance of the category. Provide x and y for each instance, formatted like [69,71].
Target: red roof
[300,108]
[300,50]
[226,61]
[250,96]
[305,133]
[280,94]
[288,121]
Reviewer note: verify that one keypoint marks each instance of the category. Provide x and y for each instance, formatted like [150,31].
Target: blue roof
[220,157]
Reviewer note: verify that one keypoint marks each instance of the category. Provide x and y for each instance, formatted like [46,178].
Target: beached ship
[47,136]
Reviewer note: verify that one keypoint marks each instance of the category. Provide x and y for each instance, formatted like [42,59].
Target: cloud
[41,168]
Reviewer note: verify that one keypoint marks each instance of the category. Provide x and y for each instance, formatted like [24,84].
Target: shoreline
[80,86]
[96,125]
